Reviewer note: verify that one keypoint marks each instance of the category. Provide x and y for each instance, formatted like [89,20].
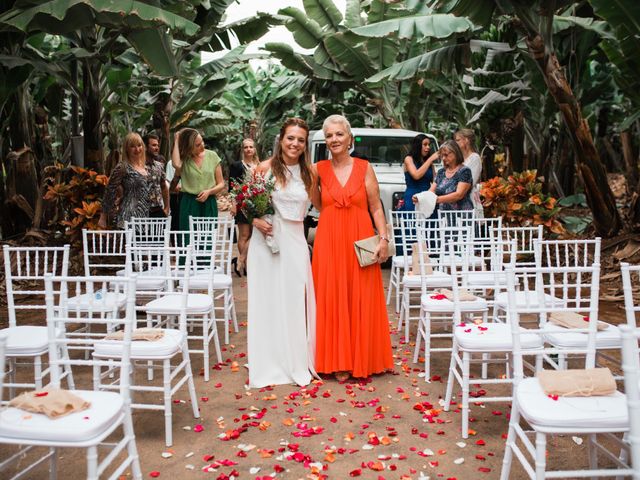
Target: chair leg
[427,345]
[419,335]
[450,380]
[92,463]
[149,362]
[593,452]
[37,371]
[205,346]
[465,394]
[53,463]
[190,383]
[168,414]
[216,340]
[234,316]
[541,458]
[132,449]
[398,296]
[511,441]
[402,308]
[392,278]
[67,370]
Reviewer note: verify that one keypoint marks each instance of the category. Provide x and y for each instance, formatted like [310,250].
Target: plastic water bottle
[99,294]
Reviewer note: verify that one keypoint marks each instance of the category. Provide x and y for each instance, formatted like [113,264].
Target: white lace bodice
[292,201]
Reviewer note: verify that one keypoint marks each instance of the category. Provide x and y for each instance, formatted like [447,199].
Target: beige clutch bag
[365,250]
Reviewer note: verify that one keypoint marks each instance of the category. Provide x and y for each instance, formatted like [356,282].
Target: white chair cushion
[105,409]
[607,338]
[486,279]
[200,281]
[437,279]
[473,260]
[26,340]
[571,413]
[104,304]
[168,345]
[170,304]
[432,305]
[398,260]
[497,337]
[525,299]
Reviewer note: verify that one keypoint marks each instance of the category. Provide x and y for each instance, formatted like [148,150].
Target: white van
[385,149]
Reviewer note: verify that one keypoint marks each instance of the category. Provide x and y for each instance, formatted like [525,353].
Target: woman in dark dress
[418,170]
[237,172]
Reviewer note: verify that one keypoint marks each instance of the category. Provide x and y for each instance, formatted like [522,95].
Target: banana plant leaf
[418,27]
[441,59]
[65,16]
[306,31]
[325,13]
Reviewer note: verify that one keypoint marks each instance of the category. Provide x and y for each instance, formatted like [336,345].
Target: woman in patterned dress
[131,184]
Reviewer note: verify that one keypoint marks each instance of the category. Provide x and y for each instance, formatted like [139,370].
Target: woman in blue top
[418,170]
[453,182]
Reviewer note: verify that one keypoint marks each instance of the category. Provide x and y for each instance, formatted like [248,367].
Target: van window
[389,150]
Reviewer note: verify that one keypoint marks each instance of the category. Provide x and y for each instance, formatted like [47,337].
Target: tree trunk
[606,218]
[22,190]
[161,123]
[21,130]
[630,160]
[91,116]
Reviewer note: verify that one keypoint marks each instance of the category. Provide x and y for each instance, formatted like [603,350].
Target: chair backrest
[104,251]
[631,371]
[456,240]
[453,218]
[61,320]
[483,228]
[223,229]
[149,231]
[488,258]
[565,253]
[525,238]
[25,268]
[630,277]
[429,233]
[396,217]
[3,352]
[555,289]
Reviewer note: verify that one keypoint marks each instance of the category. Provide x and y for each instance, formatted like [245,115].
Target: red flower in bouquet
[253,195]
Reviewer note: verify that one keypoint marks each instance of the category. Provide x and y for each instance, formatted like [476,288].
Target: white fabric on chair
[572,413]
[104,411]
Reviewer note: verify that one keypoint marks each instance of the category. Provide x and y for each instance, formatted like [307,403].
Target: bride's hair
[278,166]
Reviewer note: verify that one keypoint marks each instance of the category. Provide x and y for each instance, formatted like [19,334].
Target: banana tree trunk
[91,116]
[606,218]
[21,130]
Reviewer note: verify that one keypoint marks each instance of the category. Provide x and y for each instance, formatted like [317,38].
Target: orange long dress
[352,327]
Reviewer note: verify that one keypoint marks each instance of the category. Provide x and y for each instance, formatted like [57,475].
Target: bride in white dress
[281,308]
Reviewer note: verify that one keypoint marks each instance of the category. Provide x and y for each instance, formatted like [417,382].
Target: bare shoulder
[264,166]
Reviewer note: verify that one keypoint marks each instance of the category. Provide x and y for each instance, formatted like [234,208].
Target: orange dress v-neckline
[348,178]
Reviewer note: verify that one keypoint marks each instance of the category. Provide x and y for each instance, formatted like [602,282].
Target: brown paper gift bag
[148,334]
[463,295]
[590,382]
[415,260]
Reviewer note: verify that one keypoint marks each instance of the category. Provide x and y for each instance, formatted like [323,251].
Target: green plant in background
[77,194]
[520,201]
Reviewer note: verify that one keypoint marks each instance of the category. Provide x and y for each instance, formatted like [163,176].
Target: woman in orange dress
[352,328]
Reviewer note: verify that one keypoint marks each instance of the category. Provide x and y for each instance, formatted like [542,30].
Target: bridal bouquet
[253,199]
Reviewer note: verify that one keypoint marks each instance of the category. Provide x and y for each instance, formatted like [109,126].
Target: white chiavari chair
[630,368]
[562,416]
[25,268]
[436,309]
[398,259]
[411,282]
[175,302]
[107,414]
[224,228]
[453,218]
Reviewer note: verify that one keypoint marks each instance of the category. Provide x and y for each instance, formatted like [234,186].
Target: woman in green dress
[200,175]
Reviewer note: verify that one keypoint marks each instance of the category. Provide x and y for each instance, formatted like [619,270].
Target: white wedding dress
[281,308]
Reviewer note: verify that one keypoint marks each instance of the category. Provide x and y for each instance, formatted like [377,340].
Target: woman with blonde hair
[237,171]
[200,175]
[281,308]
[466,140]
[352,334]
[131,185]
